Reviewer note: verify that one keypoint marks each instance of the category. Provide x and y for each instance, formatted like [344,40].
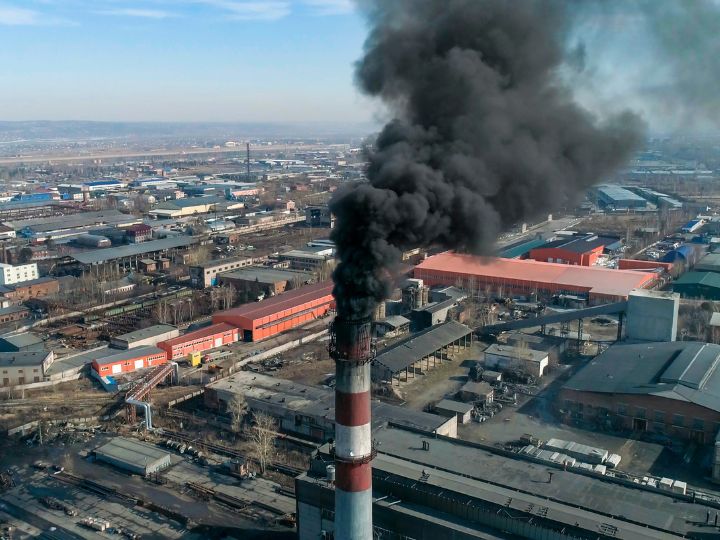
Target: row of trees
[261,432]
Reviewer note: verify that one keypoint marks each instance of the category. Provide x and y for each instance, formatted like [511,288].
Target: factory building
[10,274]
[705,285]
[581,250]
[511,277]
[128,361]
[507,358]
[260,281]
[206,275]
[13,313]
[668,388]
[309,259]
[130,256]
[210,337]
[420,352]
[133,456]
[319,216]
[430,487]
[35,288]
[261,320]
[185,207]
[309,411]
[21,343]
[618,198]
[24,367]
[146,337]
[139,232]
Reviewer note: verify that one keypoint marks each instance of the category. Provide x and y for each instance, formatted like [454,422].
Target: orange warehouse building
[579,249]
[210,337]
[522,277]
[129,360]
[264,319]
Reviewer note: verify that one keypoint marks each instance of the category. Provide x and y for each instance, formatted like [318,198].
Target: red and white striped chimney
[351,348]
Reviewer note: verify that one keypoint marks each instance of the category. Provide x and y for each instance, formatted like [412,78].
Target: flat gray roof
[456,406]
[315,401]
[22,340]
[144,333]
[408,351]
[511,478]
[29,358]
[265,275]
[101,255]
[680,370]
[133,453]
[72,221]
[508,351]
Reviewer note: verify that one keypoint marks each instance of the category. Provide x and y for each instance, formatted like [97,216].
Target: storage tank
[379,312]
[330,473]
[425,296]
[92,240]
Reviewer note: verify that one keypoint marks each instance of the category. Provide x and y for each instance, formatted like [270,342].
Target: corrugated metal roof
[201,333]
[145,333]
[707,279]
[410,350]
[133,453]
[679,370]
[101,255]
[129,354]
[281,302]
[586,278]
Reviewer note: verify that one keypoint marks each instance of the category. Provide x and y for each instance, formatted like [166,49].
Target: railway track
[230,452]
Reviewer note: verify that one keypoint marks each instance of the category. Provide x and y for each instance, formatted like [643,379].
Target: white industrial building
[10,274]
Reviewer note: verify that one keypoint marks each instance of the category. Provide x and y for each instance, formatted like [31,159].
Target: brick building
[139,233]
[669,388]
[36,288]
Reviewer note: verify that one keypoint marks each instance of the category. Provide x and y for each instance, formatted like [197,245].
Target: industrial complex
[174,363]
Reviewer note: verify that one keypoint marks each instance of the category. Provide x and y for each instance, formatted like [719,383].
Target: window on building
[622,409]
[698,424]
[678,420]
[659,416]
[640,412]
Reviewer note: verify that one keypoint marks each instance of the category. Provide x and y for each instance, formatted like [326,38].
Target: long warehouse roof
[589,278]
[101,255]
[282,302]
[417,347]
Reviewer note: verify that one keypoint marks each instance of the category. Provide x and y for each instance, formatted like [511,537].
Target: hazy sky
[184,60]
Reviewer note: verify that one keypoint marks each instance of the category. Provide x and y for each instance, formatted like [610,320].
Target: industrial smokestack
[484,136]
[351,348]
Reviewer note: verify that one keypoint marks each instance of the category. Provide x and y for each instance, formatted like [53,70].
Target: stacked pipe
[351,348]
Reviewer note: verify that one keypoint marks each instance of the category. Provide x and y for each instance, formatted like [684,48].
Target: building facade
[11,274]
[207,338]
[17,368]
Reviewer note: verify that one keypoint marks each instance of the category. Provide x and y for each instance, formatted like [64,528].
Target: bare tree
[238,408]
[263,438]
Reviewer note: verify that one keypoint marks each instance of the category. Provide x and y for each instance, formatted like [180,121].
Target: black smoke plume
[484,134]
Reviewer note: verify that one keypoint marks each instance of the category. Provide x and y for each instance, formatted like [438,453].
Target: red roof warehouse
[514,276]
[582,250]
[130,360]
[204,339]
[287,310]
